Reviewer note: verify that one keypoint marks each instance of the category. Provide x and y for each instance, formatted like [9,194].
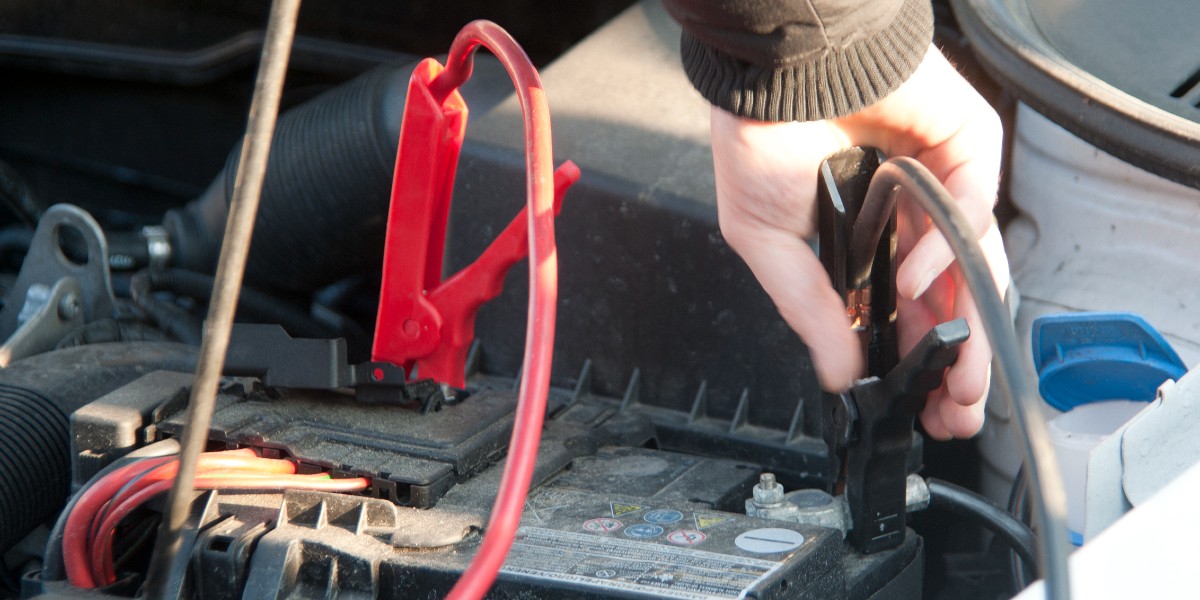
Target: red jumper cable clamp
[424,321]
[427,323]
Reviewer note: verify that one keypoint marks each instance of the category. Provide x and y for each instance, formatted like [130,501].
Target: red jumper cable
[424,321]
[429,323]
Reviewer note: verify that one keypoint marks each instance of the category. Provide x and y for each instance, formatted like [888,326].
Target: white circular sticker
[769,540]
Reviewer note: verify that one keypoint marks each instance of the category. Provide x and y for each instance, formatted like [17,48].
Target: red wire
[78,525]
[543,292]
[77,530]
[209,463]
[539,336]
[243,459]
[102,556]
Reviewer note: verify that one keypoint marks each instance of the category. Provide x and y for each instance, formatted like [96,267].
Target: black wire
[136,540]
[15,238]
[965,503]
[185,327]
[100,169]
[111,330]
[1011,377]
[173,319]
[1018,507]
[105,510]
[253,303]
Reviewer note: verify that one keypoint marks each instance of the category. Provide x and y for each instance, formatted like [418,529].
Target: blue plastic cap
[1090,357]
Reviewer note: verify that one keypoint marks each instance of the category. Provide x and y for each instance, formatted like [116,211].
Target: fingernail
[926,281]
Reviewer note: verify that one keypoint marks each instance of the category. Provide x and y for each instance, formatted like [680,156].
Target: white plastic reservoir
[1093,233]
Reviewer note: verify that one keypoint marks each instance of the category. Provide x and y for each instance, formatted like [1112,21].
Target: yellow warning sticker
[704,521]
[619,509]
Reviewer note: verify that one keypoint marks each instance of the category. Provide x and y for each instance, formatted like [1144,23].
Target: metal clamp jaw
[868,429]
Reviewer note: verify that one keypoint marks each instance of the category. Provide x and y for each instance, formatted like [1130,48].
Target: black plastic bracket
[266,351]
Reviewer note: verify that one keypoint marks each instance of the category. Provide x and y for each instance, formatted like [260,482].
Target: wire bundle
[91,527]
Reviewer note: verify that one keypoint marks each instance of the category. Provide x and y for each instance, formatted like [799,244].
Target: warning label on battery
[619,564]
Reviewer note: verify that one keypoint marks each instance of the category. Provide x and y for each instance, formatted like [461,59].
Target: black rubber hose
[965,503]
[37,396]
[111,330]
[177,322]
[325,195]
[251,303]
[15,239]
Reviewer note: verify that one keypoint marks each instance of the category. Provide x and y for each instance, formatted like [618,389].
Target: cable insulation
[1045,479]
[543,292]
[102,547]
[99,510]
[963,502]
[1018,507]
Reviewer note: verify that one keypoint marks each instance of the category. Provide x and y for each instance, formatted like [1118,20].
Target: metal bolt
[916,493]
[768,492]
[68,307]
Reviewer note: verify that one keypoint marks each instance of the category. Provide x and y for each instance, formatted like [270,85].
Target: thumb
[793,277]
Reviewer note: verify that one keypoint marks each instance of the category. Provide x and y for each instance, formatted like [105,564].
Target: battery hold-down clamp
[868,429]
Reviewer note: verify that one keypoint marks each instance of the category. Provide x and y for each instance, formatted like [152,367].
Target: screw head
[68,307]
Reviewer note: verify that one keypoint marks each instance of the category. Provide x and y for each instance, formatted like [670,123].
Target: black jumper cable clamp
[868,429]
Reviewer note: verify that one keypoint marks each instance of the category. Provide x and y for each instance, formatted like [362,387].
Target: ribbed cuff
[830,84]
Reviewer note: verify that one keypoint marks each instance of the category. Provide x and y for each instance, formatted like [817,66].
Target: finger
[940,298]
[793,277]
[974,191]
[967,380]
[914,319]
[911,224]
[960,421]
[768,172]
[931,419]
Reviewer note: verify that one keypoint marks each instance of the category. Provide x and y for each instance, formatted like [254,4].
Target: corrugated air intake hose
[37,397]
[325,194]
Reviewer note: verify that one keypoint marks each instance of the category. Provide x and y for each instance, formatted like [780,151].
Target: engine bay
[687,450]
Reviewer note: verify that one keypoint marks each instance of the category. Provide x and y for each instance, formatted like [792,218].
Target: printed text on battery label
[637,566]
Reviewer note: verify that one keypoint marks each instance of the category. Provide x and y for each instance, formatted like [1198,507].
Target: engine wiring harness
[92,524]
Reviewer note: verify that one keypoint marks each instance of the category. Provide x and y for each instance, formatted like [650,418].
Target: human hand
[766,175]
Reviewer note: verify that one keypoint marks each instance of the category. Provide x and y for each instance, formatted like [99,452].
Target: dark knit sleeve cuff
[832,83]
